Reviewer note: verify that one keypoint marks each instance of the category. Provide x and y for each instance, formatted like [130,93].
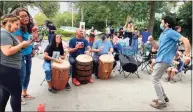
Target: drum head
[84,58]
[106,58]
[64,65]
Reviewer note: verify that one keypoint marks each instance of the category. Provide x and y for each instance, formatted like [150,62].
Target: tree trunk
[152,16]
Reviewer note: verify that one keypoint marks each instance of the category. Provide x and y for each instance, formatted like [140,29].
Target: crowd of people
[17,38]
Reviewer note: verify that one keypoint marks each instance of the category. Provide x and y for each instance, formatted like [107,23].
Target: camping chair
[187,66]
[146,58]
[129,62]
[180,73]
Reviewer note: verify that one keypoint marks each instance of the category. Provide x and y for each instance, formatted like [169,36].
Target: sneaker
[173,81]
[67,86]
[158,105]
[52,90]
[156,100]
[91,80]
[96,76]
[167,79]
[75,82]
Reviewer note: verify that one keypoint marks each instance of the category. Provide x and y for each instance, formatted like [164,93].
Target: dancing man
[167,50]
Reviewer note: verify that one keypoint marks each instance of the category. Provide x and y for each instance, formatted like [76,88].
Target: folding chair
[148,55]
[127,53]
[180,73]
[187,67]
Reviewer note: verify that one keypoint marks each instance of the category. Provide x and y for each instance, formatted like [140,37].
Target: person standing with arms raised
[167,50]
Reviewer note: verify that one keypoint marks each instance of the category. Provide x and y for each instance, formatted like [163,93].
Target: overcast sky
[64,7]
[34,11]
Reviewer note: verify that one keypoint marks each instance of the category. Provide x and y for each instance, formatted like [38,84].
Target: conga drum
[105,68]
[84,67]
[60,74]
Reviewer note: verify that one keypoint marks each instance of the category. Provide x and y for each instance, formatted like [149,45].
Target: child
[176,68]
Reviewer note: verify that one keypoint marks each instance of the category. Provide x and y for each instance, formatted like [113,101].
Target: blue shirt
[25,36]
[145,36]
[106,46]
[167,46]
[72,44]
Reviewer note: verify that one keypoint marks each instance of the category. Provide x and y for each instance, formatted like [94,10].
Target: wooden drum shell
[84,69]
[60,75]
[105,66]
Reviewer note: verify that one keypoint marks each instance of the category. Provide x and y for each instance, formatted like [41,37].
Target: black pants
[128,35]
[96,65]
[10,85]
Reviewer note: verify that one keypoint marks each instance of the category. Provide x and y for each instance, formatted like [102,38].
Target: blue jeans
[25,71]
[73,68]
[47,70]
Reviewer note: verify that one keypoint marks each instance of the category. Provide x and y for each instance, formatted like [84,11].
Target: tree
[185,19]
[40,19]
[48,8]
[64,19]
[152,16]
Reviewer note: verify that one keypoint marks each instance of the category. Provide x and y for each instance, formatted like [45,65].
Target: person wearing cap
[77,46]
[100,47]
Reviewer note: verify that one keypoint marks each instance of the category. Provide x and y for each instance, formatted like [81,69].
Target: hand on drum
[88,52]
[58,60]
[109,52]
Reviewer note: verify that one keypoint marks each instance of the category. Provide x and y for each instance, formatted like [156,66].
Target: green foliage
[65,33]
[49,8]
[185,17]
[8,6]
[116,13]
[40,19]
[65,19]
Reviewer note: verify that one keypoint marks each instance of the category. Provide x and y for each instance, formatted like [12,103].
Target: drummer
[77,46]
[53,48]
[100,47]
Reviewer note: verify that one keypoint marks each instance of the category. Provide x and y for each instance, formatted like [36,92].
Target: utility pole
[72,14]
[106,22]
[82,14]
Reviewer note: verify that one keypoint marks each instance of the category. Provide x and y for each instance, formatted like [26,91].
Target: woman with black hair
[55,47]
[25,33]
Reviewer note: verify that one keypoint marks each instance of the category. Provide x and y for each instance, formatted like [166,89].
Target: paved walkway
[116,94]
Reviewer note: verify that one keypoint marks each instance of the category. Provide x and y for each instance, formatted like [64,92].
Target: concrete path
[115,94]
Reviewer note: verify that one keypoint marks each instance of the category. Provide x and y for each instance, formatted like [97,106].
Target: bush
[65,33]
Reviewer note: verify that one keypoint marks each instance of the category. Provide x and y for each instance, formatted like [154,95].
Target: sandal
[23,102]
[29,97]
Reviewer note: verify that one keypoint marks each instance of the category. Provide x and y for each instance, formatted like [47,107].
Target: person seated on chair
[53,48]
[101,47]
[77,46]
[116,46]
[176,68]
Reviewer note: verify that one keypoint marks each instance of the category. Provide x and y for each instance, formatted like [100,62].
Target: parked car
[68,29]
